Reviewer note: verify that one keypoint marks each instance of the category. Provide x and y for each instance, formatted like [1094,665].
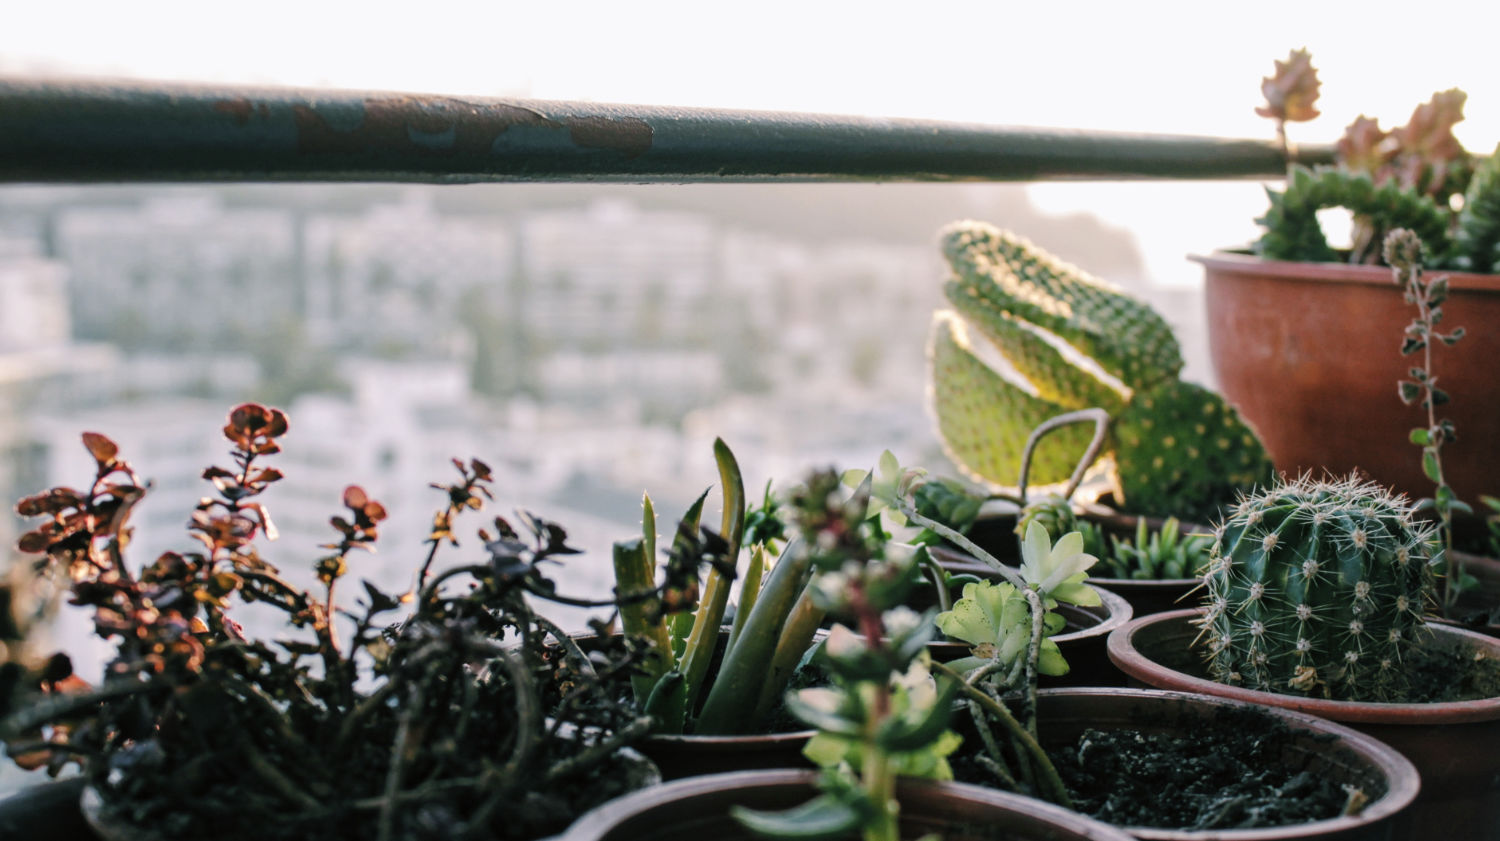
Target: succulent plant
[1052,512]
[1072,341]
[1317,588]
[1403,178]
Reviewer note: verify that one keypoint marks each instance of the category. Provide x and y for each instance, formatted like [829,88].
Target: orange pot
[1310,353]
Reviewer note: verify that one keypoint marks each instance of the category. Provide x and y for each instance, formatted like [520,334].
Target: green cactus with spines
[1478,239]
[967,398]
[1291,223]
[1071,342]
[1180,449]
[1317,588]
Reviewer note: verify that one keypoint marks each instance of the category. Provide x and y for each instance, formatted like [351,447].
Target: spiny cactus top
[1071,341]
[1317,588]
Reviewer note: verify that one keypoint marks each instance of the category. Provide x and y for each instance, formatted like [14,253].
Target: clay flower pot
[1310,355]
[1321,746]
[697,809]
[1453,745]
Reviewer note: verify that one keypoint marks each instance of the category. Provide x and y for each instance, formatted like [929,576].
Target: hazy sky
[1191,67]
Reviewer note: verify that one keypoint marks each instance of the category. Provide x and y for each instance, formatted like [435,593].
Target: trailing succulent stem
[883,716]
[1074,342]
[1317,588]
[1403,251]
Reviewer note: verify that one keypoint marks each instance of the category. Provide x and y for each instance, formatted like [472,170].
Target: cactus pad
[984,420]
[1180,449]
[1317,588]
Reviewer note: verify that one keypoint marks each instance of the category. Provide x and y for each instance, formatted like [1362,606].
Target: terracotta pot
[1453,745]
[680,756]
[697,809]
[1082,642]
[1310,355]
[1323,747]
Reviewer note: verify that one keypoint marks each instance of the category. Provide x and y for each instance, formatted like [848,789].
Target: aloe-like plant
[774,622]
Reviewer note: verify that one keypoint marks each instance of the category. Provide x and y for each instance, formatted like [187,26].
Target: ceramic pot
[1310,354]
[689,755]
[1322,747]
[1453,745]
[698,808]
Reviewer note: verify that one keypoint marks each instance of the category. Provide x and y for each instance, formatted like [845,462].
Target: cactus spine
[1317,588]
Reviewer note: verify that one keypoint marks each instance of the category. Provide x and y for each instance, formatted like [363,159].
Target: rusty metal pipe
[53,131]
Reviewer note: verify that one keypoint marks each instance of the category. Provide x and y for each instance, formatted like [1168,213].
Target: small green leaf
[1430,466]
[824,818]
[1410,391]
[1421,436]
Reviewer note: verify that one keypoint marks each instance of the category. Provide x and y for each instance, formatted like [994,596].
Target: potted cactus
[1314,601]
[1302,336]
[1082,747]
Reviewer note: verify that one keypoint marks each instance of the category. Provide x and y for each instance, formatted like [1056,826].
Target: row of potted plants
[862,623]
[466,712]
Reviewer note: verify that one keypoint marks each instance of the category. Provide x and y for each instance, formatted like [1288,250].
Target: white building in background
[33,298]
[398,273]
[613,275]
[180,270]
[40,370]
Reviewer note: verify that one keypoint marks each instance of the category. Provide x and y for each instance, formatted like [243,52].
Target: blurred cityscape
[587,343]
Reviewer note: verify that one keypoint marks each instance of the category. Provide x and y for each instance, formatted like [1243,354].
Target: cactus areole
[1317,588]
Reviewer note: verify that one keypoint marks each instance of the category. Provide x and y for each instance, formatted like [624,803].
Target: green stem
[1055,790]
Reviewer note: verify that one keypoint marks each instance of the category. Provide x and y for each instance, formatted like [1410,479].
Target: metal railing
[82,132]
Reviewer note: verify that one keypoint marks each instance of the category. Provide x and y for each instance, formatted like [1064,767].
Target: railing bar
[53,131]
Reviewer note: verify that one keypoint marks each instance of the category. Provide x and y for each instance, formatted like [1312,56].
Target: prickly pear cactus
[1317,588]
[1181,450]
[1066,340]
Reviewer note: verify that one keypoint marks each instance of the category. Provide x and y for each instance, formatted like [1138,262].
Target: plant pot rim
[1134,663]
[967,563]
[1404,782]
[596,822]
[1236,262]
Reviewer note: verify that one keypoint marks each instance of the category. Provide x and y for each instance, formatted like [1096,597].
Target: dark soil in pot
[1174,766]
[1453,743]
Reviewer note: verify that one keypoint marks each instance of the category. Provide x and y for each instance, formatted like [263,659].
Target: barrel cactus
[1031,337]
[1317,588]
